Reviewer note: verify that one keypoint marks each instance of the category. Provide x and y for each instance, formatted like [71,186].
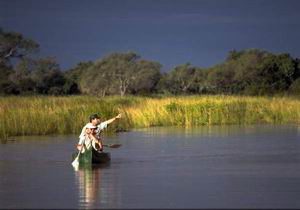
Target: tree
[75,74]
[200,84]
[181,79]
[73,77]
[21,77]
[269,74]
[6,86]
[147,77]
[41,76]
[95,80]
[294,89]
[47,77]
[286,71]
[14,45]
[247,68]
[163,85]
[234,55]
[253,72]
[123,70]
[120,73]
[221,79]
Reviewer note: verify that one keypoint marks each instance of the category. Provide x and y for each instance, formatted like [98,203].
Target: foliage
[294,89]
[246,72]
[14,45]
[253,72]
[120,73]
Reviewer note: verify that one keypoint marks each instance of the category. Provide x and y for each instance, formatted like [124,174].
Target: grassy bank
[65,115]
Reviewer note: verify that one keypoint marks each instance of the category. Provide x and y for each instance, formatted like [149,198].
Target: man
[89,138]
[96,123]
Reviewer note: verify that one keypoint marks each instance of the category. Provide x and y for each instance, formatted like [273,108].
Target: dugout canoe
[92,157]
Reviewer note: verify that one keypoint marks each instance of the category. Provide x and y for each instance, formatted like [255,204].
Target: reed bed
[214,110]
[42,115]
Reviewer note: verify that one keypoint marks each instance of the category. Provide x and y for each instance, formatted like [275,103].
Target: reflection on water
[94,186]
[88,182]
[218,131]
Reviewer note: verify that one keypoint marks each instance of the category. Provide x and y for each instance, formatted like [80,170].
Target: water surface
[204,167]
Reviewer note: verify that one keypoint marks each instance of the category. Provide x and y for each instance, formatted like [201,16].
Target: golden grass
[213,110]
[41,115]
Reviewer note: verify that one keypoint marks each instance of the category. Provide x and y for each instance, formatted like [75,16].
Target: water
[205,167]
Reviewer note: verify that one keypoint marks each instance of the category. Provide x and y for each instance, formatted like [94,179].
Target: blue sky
[171,32]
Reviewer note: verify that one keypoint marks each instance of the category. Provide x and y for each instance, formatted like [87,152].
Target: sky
[171,32]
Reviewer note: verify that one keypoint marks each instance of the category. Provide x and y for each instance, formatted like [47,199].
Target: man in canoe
[92,130]
[89,139]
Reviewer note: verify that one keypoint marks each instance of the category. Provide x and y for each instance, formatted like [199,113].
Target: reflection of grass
[61,115]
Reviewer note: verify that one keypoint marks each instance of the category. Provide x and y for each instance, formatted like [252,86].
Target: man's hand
[79,146]
[118,116]
[100,147]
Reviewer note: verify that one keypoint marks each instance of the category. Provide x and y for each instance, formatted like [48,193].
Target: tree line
[245,72]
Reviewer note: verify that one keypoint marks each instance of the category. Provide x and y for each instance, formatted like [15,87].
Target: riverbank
[42,115]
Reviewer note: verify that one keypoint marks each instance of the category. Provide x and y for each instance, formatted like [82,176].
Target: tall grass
[53,115]
[214,110]
[63,115]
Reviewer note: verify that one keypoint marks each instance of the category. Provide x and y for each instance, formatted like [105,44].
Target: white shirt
[83,136]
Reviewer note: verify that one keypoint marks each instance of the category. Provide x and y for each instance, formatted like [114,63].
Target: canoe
[92,157]
[100,157]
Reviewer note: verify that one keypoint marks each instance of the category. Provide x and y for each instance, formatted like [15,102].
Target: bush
[295,87]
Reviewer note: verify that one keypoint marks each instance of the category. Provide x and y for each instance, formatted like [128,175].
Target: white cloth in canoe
[83,137]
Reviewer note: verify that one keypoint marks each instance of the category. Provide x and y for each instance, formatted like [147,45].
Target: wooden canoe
[92,157]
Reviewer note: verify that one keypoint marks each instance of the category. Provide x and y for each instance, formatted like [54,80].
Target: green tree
[147,77]
[200,84]
[14,45]
[48,77]
[254,72]
[96,79]
[123,71]
[119,73]
[247,69]
[6,86]
[21,77]
[75,74]
[73,77]
[181,79]
[294,88]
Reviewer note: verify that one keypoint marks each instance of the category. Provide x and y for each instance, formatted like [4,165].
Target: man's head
[95,119]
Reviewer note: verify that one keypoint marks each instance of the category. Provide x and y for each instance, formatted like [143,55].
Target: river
[203,167]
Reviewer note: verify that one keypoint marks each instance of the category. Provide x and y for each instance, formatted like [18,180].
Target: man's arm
[82,134]
[104,124]
[97,141]
[81,138]
[112,119]
[81,142]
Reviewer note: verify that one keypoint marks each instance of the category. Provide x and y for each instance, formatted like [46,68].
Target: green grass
[42,115]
